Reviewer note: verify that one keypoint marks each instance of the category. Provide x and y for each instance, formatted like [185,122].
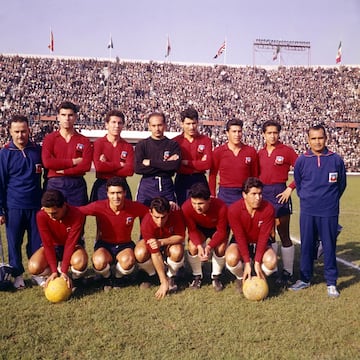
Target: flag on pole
[51,43]
[110,44]
[168,47]
[221,50]
[276,53]
[338,55]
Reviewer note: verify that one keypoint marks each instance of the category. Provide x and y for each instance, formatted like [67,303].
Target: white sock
[148,267]
[104,272]
[195,264]
[287,255]
[120,271]
[218,263]
[77,274]
[173,266]
[236,270]
[266,270]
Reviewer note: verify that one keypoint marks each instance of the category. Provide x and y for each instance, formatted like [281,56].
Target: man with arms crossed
[234,162]
[196,155]
[156,159]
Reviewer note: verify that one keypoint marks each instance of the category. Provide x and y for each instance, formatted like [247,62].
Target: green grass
[131,324]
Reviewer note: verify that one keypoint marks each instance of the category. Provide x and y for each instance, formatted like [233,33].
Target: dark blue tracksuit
[20,197]
[320,182]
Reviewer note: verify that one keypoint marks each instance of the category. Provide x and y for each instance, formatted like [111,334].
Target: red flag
[338,56]
[221,50]
[51,44]
[276,53]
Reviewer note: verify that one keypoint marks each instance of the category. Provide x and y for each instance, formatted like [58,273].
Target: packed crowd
[296,97]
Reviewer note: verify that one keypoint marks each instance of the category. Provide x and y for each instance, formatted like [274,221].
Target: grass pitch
[129,323]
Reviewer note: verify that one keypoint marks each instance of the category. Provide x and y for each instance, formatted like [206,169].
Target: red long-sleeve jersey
[274,168]
[251,230]
[198,153]
[115,228]
[174,226]
[215,218]
[65,232]
[233,170]
[57,154]
[122,153]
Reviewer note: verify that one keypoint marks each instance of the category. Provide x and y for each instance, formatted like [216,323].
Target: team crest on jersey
[166,154]
[68,229]
[123,155]
[38,168]
[201,148]
[80,147]
[129,220]
[279,160]
[171,229]
[247,160]
[260,223]
[333,177]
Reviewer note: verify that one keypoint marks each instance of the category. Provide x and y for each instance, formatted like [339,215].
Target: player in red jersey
[60,226]
[67,156]
[163,234]
[206,218]
[251,219]
[115,219]
[196,155]
[275,161]
[234,162]
[113,156]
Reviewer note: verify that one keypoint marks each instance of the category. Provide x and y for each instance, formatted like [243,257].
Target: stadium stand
[295,96]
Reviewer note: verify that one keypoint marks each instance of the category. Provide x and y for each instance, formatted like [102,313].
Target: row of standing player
[67,155]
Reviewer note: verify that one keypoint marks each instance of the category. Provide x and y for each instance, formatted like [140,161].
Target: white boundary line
[346,263]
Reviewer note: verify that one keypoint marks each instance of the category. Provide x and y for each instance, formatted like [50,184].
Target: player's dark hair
[189,113]
[68,105]
[52,198]
[160,204]
[251,182]
[116,113]
[234,122]
[116,181]
[18,118]
[200,191]
[157,114]
[316,128]
[268,123]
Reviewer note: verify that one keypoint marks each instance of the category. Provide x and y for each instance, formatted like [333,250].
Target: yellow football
[57,290]
[255,289]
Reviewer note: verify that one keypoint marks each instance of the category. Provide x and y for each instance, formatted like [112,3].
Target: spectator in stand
[156,159]
[234,162]
[67,156]
[113,156]
[196,155]
[275,161]
[20,194]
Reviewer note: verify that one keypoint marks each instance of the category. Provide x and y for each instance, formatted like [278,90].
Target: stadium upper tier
[295,96]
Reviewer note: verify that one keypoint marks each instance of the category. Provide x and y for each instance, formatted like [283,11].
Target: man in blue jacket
[320,181]
[20,193]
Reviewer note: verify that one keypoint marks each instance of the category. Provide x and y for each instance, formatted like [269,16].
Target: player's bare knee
[269,259]
[192,248]
[176,252]
[79,260]
[141,253]
[232,255]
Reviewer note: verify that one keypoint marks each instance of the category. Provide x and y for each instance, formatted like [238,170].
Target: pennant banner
[168,47]
[110,44]
[51,44]
[221,50]
[338,55]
